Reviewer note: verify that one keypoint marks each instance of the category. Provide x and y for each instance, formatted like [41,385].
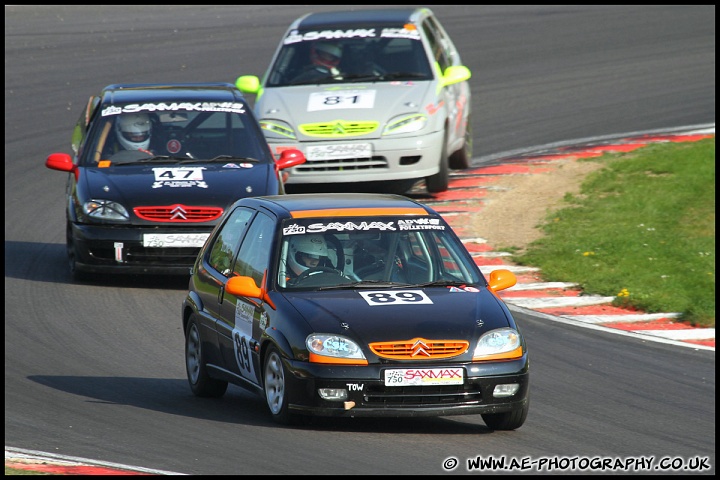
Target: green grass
[641,229]
[17,471]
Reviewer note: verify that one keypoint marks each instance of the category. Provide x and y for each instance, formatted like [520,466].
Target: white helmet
[133,131]
[313,245]
[325,55]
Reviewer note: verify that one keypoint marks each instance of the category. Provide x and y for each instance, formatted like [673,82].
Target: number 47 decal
[395,297]
[178,173]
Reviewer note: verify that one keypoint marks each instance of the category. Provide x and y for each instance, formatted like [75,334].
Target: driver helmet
[325,55]
[312,245]
[133,131]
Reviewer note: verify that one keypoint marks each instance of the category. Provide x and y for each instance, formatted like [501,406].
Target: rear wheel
[507,420]
[195,364]
[275,386]
[400,187]
[439,182]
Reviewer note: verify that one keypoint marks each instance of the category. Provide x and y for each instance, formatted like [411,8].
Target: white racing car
[369,96]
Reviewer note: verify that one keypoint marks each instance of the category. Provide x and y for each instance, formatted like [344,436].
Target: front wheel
[200,382]
[507,420]
[439,182]
[72,256]
[275,386]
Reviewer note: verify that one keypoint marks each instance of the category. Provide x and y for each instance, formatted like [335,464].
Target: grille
[338,129]
[178,213]
[147,256]
[339,165]
[419,349]
[468,394]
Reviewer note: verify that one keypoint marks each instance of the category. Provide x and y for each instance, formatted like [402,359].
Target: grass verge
[641,229]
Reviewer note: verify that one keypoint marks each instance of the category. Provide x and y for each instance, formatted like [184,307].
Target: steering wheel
[314,271]
[330,238]
[337,245]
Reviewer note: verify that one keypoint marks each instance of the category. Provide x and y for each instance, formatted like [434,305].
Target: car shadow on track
[47,262]
[172,396]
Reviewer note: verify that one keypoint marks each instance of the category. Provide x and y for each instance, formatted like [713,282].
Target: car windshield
[388,252]
[171,132]
[355,55]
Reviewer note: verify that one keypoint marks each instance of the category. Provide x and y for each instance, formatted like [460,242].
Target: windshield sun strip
[358,212]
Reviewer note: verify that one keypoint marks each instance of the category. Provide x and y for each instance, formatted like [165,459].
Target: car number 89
[380,298]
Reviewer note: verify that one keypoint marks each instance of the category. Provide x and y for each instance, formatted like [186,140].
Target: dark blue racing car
[352,305]
[155,168]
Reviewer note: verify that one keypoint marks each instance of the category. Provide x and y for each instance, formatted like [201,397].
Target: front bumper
[392,159]
[119,249]
[368,396]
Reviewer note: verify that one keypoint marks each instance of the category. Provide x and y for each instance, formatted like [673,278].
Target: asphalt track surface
[95,371]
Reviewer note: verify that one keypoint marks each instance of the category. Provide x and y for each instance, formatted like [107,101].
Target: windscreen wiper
[367,284]
[154,158]
[442,283]
[220,158]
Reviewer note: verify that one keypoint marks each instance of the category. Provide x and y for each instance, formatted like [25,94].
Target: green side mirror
[455,74]
[248,84]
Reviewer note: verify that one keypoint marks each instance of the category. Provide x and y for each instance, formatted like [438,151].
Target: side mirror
[248,84]
[501,279]
[289,158]
[455,74]
[60,161]
[242,286]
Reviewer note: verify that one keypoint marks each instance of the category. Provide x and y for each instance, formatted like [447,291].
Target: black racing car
[155,167]
[352,305]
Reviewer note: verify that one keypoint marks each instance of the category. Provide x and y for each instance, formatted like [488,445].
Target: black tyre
[507,420]
[195,364]
[399,187]
[460,160]
[439,182]
[275,386]
[72,256]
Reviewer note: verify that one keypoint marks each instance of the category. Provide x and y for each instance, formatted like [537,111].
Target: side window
[289,60]
[453,263]
[100,132]
[81,127]
[226,243]
[254,255]
[418,251]
[437,43]
[448,258]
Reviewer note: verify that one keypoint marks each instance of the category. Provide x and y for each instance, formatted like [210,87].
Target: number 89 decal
[395,297]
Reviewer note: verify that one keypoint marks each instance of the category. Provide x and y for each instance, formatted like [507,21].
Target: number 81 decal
[395,297]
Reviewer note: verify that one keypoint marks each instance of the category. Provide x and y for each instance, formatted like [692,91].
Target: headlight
[277,129]
[329,348]
[105,210]
[405,124]
[500,344]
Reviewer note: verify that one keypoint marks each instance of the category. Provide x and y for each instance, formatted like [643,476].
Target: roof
[158,92]
[337,204]
[344,19]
